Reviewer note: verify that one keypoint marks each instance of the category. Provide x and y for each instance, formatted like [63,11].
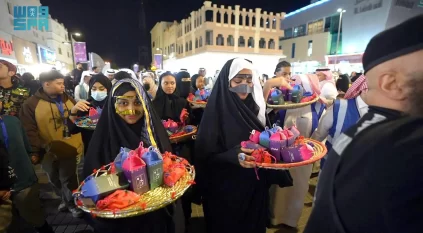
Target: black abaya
[234,200]
[85,133]
[183,87]
[111,133]
[169,106]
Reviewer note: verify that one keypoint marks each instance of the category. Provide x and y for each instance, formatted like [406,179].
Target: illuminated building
[212,35]
[311,33]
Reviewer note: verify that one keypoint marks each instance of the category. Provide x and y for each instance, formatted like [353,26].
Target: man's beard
[416,97]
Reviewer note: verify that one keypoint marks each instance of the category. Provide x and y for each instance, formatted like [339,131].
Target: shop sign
[27,55]
[6,47]
[47,56]
[25,51]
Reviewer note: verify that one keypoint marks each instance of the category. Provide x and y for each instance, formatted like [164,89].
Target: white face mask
[99,95]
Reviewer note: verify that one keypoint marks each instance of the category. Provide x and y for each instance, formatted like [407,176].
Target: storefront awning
[344,58]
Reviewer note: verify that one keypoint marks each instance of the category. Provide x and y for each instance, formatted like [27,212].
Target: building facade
[58,40]
[219,33]
[311,33]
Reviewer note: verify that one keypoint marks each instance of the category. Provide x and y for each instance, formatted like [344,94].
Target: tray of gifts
[199,99]
[290,99]
[90,121]
[138,182]
[178,132]
[283,148]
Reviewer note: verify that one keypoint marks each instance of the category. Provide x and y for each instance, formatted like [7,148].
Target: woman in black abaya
[168,104]
[183,81]
[99,87]
[234,199]
[127,119]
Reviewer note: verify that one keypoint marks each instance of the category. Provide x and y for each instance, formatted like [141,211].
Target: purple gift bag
[292,154]
[290,137]
[294,131]
[135,171]
[297,153]
[276,149]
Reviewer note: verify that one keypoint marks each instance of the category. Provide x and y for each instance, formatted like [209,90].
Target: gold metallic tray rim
[319,152]
[154,199]
[293,105]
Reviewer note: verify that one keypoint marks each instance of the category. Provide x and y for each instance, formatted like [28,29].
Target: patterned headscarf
[328,74]
[356,88]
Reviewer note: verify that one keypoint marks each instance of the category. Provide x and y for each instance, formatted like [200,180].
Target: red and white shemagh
[356,88]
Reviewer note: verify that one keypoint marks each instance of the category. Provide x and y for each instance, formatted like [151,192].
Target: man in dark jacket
[77,72]
[372,179]
[12,90]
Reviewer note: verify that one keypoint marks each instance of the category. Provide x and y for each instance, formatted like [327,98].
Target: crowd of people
[370,180]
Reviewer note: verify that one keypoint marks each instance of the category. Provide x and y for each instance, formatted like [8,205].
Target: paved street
[65,223]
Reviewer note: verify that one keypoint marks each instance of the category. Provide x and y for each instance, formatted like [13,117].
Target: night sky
[105,23]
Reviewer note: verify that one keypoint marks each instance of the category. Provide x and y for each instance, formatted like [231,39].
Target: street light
[341,11]
[161,50]
[77,34]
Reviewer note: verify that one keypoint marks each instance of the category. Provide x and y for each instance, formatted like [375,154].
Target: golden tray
[290,105]
[82,123]
[184,137]
[319,152]
[150,201]
[193,104]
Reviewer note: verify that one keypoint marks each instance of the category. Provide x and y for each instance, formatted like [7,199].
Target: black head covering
[112,132]
[168,106]
[343,83]
[121,75]
[393,43]
[227,120]
[27,77]
[184,88]
[69,82]
[100,78]
[193,82]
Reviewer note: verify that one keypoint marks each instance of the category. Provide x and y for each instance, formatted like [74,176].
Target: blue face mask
[99,95]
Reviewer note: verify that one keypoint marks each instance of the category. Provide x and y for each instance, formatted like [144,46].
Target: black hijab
[227,120]
[121,75]
[168,106]
[100,78]
[184,88]
[112,132]
[194,82]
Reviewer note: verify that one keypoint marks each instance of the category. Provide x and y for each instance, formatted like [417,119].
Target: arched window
[196,43]
[230,41]
[218,17]
[251,42]
[241,41]
[271,44]
[220,40]
[262,43]
[201,41]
